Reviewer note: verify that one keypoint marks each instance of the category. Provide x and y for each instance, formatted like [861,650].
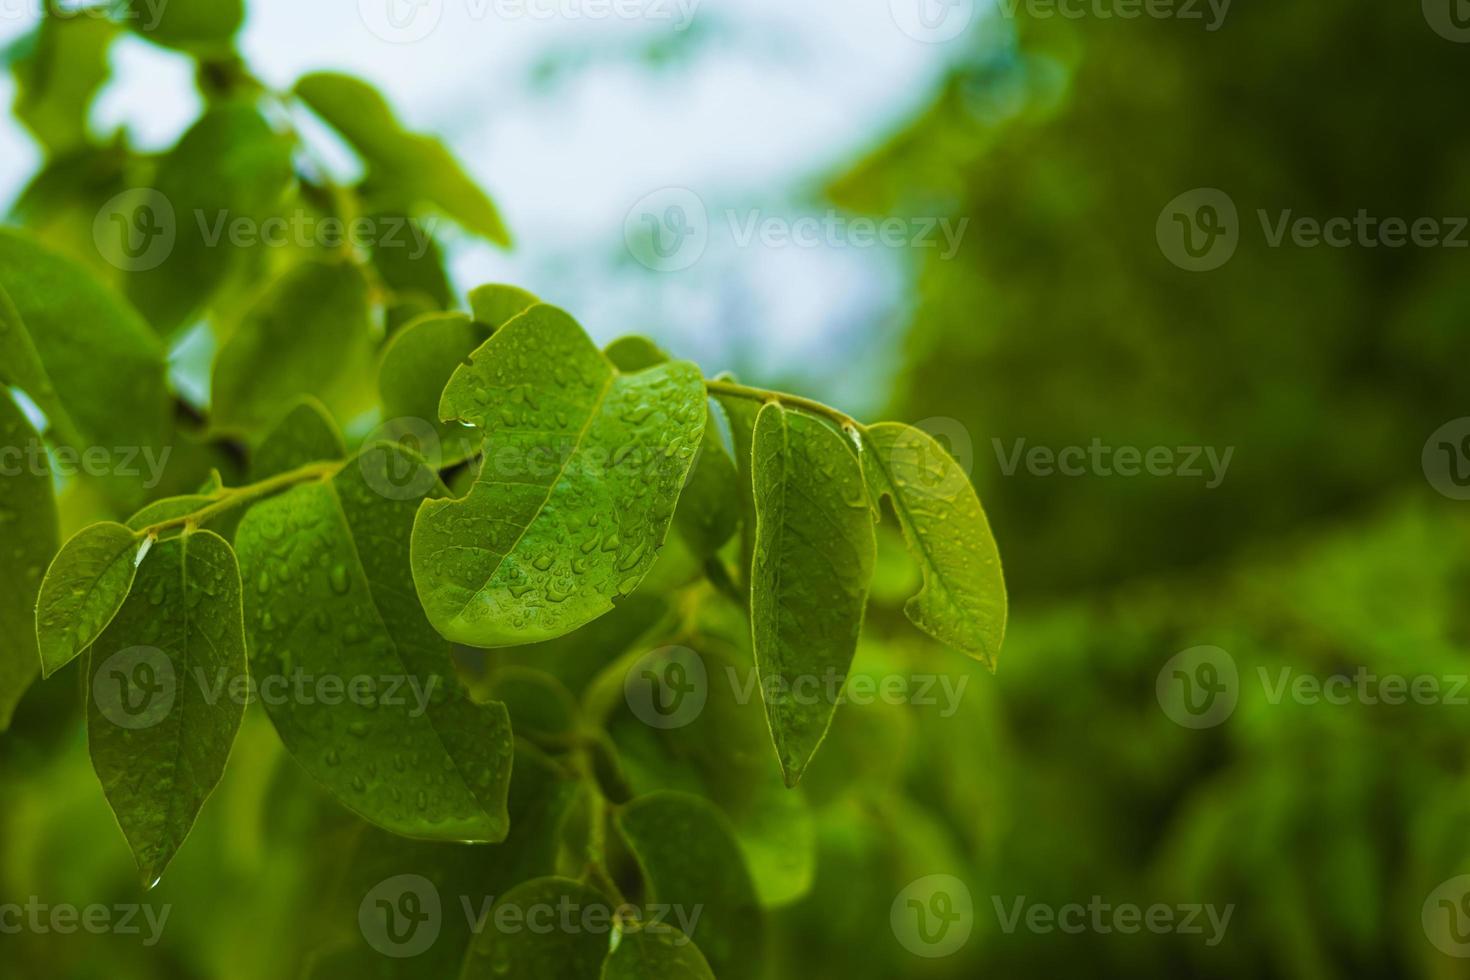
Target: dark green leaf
[691,862]
[656,951]
[741,414]
[306,434]
[330,599]
[416,366]
[410,265]
[199,26]
[963,602]
[57,80]
[508,946]
[163,710]
[404,169]
[309,335]
[83,590]
[814,553]
[582,472]
[28,517]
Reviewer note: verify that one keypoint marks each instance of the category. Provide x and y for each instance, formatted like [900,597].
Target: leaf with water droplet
[341,547]
[83,590]
[309,334]
[29,528]
[814,554]
[560,473]
[656,951]
[494,305]
[161,710]
[415,367]
[963,601]
[306,434]
[689,859]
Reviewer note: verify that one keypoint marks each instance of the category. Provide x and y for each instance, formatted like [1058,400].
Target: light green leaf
[690,861]
[709,507]
[306,434]
[28,517]
[410,266]
[582,470]
[507,946]
[20,365]
[309,335]
[416,366]
[814,553]
[59,77]
[162,713]
[495,304]
[83,590]
[963,601]
[656,951]
[329,596]
[230,166]
[201,26]
[96,351]
[404,169]
[741,414]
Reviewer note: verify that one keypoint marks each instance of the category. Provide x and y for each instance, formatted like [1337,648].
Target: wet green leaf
[416,366]
[508,946]
[28,517]
[231,166]
[656,951]
[814,553]
[741,414]
[495,304]
[329,598]
[582,470]
[306,434]
[690,861]
[162,712]
[963,601]
[59,77]
[83,590]
[404,169]
[309,335]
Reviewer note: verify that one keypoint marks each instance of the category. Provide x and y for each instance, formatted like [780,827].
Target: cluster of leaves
[527,490]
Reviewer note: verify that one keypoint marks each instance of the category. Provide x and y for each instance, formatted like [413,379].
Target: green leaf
[814,553]
[28,516]
[83,590]
[690,861]
[59,77]
[162,715]
[963,601]
[198,26]
[508,946]
[709,507]
[404,169]
[311,334]
[231,166]
[582,471]
[656,951]
[410,266]
[416,366]
[306,434]
[20,365]
[741,414]
[329,596]
[495,304]
[96,351]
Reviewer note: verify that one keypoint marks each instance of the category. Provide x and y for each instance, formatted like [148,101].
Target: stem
[230,498]
[794,401]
